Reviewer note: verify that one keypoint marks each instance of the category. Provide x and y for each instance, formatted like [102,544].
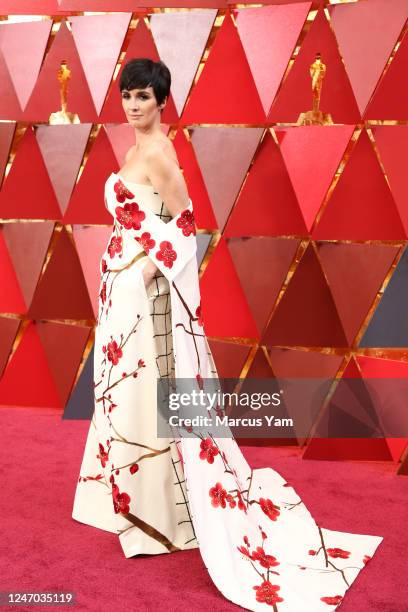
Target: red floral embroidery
[104,265]
[130,215]
[199,380]
[269,509]
[244,551]
[208,450]
[122,192]
[264,559]
[219,411]
[333,601]
[267,593]
[186,223]
[259,554]
[366,559]
[146,241]
[134,468]
[166,254]
[241,504]
[120,500]
[115,246]
[199,316]
[114,352]
[218,494]
[102,294]
[85,478]
[231,501]
[103,455]
[338,552]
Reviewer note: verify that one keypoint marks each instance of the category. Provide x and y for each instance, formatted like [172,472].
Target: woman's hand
[148,272]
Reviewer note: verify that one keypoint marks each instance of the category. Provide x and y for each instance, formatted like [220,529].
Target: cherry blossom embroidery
[220,412]
[338,552]
[244,551]
[268,507]
[199,380]
[104,265]
[146,241]
[133,468]
[208,450]
[120,500]
[199,316]
[333,552]
[103,455]
[85,478]
[236,500]
[122,192]
[114,352]
[166,254]
[115,246]
[130,216]
[241,504]
[267,593]
[218,496]
[265,560]
[333,601]
[186,222]
[102,294]
[259,555]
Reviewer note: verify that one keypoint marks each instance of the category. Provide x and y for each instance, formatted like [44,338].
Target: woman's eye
[142,97]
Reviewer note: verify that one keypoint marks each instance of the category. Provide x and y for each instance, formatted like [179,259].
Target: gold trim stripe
[151,531]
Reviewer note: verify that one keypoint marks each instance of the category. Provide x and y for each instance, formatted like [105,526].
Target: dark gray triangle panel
[81,402]
[389,324]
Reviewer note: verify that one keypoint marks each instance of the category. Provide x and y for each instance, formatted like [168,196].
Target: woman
[258,541]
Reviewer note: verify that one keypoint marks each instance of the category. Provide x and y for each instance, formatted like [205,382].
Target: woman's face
[140,106]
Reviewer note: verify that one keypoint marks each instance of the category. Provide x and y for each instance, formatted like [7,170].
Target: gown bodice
[122,248]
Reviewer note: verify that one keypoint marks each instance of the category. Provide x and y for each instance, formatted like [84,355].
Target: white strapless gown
[259,543]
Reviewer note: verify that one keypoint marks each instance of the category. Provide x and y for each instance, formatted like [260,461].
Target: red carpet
[44,549]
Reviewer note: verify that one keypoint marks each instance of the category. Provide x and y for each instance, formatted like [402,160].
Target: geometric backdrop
[303,230]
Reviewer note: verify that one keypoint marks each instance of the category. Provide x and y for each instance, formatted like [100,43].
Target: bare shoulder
[161,150]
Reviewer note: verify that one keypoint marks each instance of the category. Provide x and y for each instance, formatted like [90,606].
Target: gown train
[259,542]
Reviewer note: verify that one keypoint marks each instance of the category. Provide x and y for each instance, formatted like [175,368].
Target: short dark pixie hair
[142,72]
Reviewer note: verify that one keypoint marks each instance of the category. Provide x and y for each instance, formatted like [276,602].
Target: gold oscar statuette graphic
[316,116]
[63,115]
